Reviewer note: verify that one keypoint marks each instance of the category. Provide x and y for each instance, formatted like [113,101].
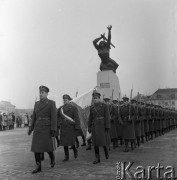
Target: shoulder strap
[67,117]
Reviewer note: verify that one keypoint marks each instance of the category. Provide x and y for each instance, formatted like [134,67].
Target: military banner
[83,103]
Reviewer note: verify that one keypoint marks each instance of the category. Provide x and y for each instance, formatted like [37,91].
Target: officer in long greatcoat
[44,125]
[69,124]
[99,125]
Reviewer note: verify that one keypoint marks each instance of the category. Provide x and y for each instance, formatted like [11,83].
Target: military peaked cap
[95,93]
[125,98]
[66,96]
[115,101]
[44,88]
[133,101]
[106,99]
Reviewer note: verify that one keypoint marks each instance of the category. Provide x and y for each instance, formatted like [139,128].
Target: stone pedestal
[108,85]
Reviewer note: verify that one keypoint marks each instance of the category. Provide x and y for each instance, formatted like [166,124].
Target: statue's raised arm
[109,36]
[103,48]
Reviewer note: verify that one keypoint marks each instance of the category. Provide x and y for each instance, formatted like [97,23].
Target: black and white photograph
[88,89]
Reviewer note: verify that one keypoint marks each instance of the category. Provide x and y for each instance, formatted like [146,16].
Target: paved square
[17,161]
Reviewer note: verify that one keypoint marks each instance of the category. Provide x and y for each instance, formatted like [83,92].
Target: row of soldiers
[130,122]
[136,122]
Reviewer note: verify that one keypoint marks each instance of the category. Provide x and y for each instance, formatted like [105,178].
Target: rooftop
[167,90]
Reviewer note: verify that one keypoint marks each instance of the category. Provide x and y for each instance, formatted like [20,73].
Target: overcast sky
[49,42]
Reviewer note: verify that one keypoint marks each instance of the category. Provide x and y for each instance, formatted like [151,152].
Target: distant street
[17,161]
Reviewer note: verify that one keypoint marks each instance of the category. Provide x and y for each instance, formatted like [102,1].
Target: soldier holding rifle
[127,114]
[99,125]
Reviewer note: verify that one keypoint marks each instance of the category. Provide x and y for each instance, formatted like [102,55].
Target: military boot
[126,146]
[89,147]
[38,163]
[42,156]
[106,152]
[97,155]
[83,138]
[66,150]
[77,143]
[52,159]
[75,152]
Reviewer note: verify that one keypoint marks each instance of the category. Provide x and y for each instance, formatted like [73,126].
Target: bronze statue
[103,48]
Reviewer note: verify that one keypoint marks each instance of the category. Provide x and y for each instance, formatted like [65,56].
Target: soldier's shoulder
[37,103]
[51,101]
[104,104]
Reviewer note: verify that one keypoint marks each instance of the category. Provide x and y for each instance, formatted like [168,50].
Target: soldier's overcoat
[99,120]
[146,121]
[128,121]
[151,119]
[68,128]
[138,120]
[44,119]
[114,117]
[119,124]
[142,120]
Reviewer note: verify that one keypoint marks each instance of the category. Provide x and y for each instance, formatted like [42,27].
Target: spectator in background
[26,123]
[1,126]
[13,120]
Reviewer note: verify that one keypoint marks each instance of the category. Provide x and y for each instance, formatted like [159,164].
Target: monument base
[108,85]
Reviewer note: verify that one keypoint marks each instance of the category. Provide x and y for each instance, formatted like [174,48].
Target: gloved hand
[89,130]
[29,131]
[53,133]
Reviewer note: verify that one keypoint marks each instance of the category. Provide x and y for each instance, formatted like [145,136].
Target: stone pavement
[16,160]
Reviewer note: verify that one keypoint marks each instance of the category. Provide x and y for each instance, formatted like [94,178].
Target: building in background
[165,97]
[6,106]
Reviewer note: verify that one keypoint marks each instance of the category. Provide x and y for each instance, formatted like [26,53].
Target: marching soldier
[99,125]
[44,124]
[127,113]
[69,124]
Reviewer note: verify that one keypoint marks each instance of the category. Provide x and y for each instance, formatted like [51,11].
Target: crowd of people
[111,123]
[7,121]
